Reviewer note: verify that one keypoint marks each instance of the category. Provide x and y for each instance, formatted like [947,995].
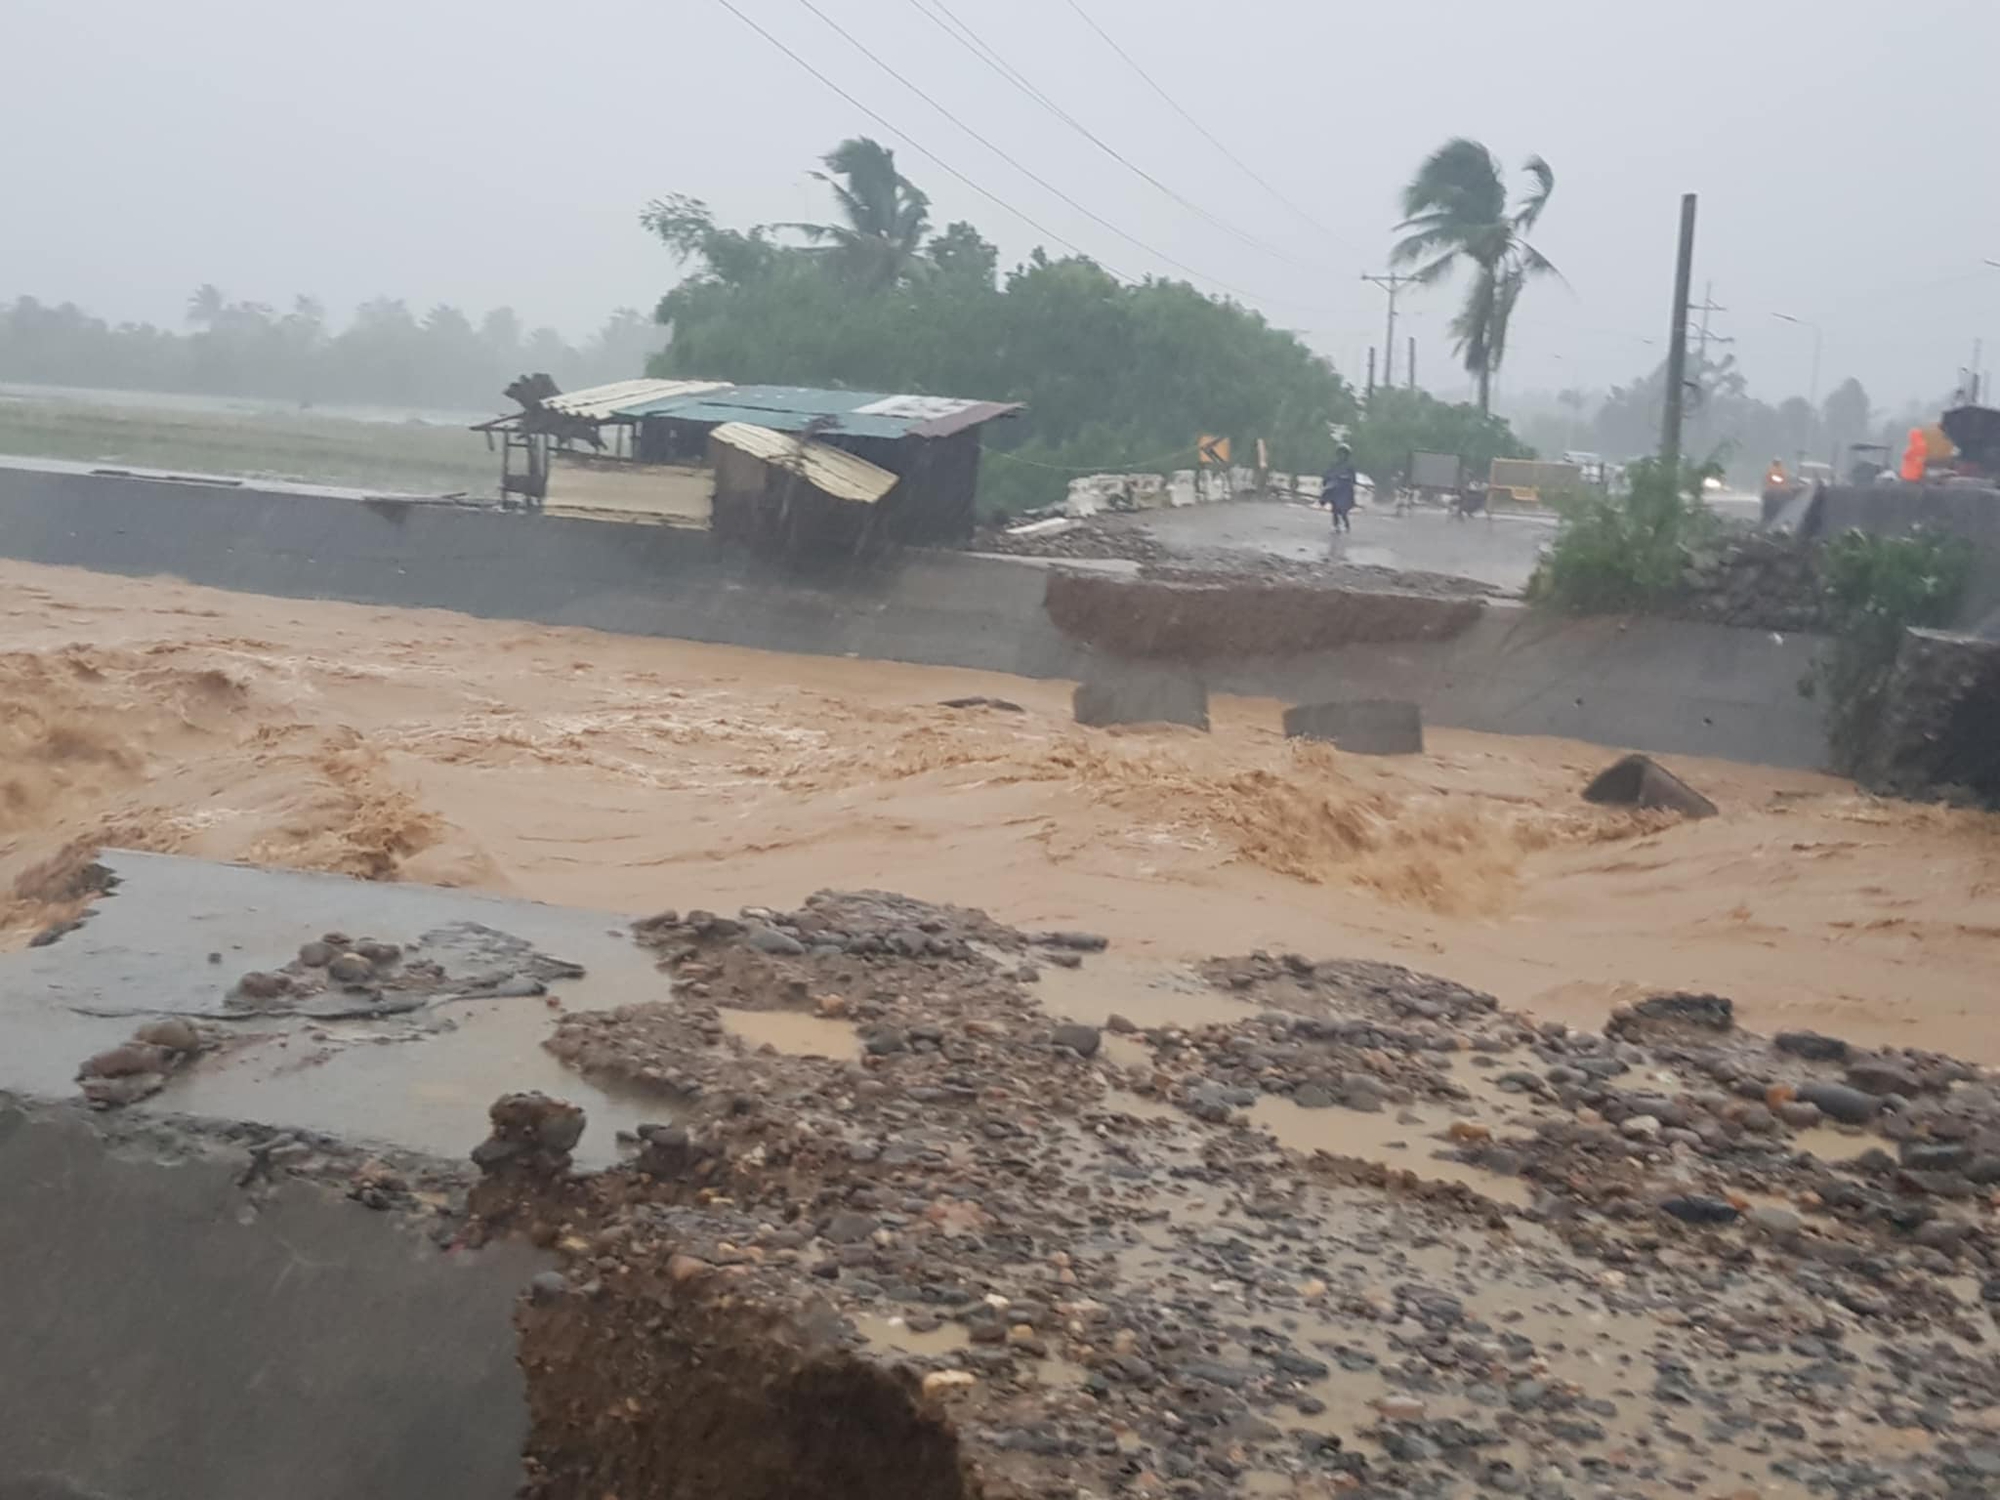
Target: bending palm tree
[887,214]
[206,307]
[1456,207]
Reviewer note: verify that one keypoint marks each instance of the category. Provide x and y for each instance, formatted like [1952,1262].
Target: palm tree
[887,215]
[206,306]
[1456,208]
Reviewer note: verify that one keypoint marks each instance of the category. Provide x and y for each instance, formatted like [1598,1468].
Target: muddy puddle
[793,1034]
[1832,1144]
[895,1335]
[1147,995]
[425,1088]
[1126,1052]
[429,1085]
[1384,1138]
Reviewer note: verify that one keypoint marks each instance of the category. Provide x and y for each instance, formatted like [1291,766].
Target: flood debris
[139,1067]
[1641,781]
[1365,1232]
[531,1132]
[337,977]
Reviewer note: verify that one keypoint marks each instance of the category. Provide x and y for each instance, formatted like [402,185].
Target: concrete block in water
[1360,726]
[1641,781]
[1142,695]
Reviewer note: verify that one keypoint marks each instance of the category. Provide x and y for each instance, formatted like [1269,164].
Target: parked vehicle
[1527,481]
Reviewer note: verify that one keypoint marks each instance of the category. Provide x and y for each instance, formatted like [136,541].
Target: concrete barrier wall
[1670,687]
[604,575]
[1657,685]
[172,1336]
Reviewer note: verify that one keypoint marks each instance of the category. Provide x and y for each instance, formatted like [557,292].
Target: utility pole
[1390,282]
[1707,305]
[1812,391]
[1413,362]
[1369,394]
[1677,348]
[1699,381]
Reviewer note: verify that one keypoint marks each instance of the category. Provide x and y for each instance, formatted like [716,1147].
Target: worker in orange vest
[1915,456]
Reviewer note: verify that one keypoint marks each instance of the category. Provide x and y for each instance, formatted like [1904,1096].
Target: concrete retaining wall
[1657,685]
[604,575]
[1969,511]
[165,1339]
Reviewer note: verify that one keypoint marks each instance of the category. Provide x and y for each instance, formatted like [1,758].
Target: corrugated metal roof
[616,399]
[792,408]
[838,473]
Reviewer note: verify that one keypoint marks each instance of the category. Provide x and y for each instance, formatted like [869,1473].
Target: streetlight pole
[1812,395]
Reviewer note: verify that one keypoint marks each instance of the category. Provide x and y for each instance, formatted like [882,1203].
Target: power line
[1241,165]
[915,144]
[966,37]
[1390,282]
[1705,307]
[1011,160]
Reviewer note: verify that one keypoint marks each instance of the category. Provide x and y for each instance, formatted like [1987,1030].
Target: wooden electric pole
[1677,347]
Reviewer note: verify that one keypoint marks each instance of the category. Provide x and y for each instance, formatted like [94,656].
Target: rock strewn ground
[1523,1260]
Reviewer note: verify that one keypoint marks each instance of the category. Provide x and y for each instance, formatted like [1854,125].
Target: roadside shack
[778,467]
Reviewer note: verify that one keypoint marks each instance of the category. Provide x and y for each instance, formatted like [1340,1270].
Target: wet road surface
[1501,551]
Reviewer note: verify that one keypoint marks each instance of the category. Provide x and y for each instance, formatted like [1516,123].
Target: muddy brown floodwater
[627,773]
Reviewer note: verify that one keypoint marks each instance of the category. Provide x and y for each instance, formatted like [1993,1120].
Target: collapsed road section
[897,1200]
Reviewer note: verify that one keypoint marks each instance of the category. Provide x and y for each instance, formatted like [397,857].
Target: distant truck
[1527,481]
[1437,474]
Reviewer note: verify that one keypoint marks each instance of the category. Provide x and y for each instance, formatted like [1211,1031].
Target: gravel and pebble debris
[1498,1257]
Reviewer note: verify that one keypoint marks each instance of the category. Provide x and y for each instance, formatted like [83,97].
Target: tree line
[1114,375]
[1724,423]
[385,355]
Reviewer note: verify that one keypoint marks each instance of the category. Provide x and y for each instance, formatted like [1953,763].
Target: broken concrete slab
[1641,781]
[420,1080]
[1127,693]
[1360,726]
[1236,617]
[175,1334]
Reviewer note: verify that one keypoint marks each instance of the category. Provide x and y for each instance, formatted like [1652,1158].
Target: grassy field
[413,456]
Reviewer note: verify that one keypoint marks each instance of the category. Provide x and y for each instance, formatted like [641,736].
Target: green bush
[1877,587]
[1615,553]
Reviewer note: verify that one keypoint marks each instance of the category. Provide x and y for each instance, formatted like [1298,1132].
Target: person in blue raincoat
[1337,487]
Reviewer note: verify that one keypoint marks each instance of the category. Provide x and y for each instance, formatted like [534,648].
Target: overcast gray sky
[498,152]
